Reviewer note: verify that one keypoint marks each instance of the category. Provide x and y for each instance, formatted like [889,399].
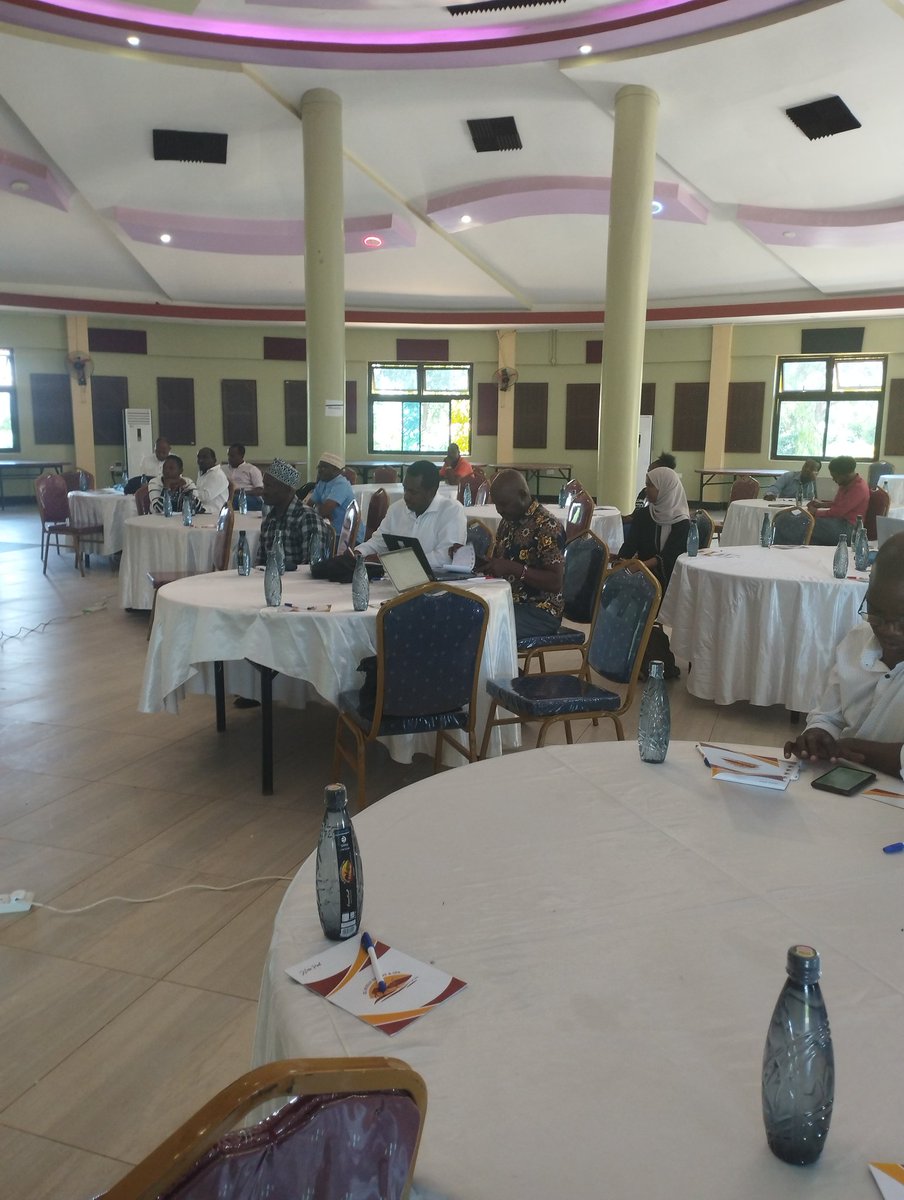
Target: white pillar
[324,272]
[627,281]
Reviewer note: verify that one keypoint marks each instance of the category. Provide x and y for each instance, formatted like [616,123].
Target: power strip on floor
[16,902]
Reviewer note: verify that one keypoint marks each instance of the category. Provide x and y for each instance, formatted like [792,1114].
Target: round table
[622,929]
[106,507]
[760,625]
[744,520]
[606,522]
[155,543]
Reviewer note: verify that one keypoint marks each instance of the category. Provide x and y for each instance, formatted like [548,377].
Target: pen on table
[894,848]
[368,945]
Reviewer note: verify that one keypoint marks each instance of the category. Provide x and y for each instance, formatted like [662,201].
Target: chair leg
[488,729]
[569,736]
[219,684]
[619,732]
[267,676]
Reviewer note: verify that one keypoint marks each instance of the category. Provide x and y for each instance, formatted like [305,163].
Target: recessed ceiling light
[465,219]
[657,207]
[166,238]
[133,40]
[585,49]
[372,241]
[789,233]
[20,185]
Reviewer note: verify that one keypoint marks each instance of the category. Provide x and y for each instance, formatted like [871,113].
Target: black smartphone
[844,781]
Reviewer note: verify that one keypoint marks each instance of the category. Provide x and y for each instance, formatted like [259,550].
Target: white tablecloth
[894,485]
[744,520]
[155,543]
[223,617]
[106,507]
[622,929]
[606,523]
[760,625]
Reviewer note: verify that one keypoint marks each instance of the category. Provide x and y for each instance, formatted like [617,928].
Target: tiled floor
[118,1022]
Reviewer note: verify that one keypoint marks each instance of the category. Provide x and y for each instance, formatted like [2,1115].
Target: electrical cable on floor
[186,887]
[24,630]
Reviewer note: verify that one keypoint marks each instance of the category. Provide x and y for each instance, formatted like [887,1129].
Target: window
[9,416]
[828,406]
[419,408]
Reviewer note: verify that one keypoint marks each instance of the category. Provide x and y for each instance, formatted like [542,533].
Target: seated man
[439,524]
[300,526]
[244,476]
[454,466]
[152,464]
[787,486]
[528,553]
[851,501]
[179,486]
[332,493]
[861,714]
[212,486]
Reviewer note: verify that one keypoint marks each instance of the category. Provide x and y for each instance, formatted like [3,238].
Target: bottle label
[348,883]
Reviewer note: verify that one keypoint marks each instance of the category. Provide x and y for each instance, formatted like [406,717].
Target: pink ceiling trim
[548,195]
[225,235]
[791,227]
[34,181]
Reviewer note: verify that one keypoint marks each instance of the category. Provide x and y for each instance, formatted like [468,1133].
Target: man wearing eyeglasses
[861,715]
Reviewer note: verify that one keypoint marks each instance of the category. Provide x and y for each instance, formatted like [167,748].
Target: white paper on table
[464,559]
[343,975]
[888,795]
[889,1179]
[738,766]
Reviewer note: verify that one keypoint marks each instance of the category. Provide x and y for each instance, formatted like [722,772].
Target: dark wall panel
[51,405]
[285,349]
[118,341]
[531,411]
[239,401]
[832,341]
[647,399]
[176,410]
[487,410]
[593,351]
[351,406]
[422,349]
[295,400]
[894,427]
[744,424]
[111,399]
[689,419]
[582,416]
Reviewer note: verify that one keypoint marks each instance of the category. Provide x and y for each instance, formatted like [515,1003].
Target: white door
[644,450]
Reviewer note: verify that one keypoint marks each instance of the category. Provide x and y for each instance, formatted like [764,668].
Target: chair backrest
[705,527]
[79,480]
[628,605]
[143,500]
[222,545]
[51,495]
[349,1127]
[578,515]
[349,532]
[429,645]
[482,495]
[586,560]
[745,487]
[350,474]
[481,537]
[879,501]
[376,510]
[574,485]
[792,527]
[328,538]
[386,475]
[878,469]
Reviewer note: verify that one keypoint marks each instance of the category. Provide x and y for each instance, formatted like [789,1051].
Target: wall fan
[81,366]
[505,378]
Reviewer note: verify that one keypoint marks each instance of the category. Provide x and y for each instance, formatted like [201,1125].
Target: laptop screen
[404,568]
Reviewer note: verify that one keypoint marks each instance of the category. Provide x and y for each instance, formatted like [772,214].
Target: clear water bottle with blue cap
[798,1085]
[841,561]
[766,532]
[243,502]
[243,555]
[167,503]
[360,585]
[563,496]
[338,879]
[693,539]
[272,580]
[466,496]
[188,515]
[861,546]
[280,551]
[654,725]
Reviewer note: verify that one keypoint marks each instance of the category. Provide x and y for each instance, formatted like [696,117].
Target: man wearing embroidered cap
[332,493]
[300,526]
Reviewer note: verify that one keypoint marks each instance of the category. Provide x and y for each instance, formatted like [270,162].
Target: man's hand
[813,743]
[769,496]
[455,546]
[853,749]
[500,567]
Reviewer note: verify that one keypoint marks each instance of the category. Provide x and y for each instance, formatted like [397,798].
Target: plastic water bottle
[466,497]
[766,532]
[693,539]
[841,561]
[799,495]
[280,551]
[167,503]
[243,555]
[563,496]
[243,503]
[360,585]
[655,722]
[272,580]
[187,514]
[861,546]
[339,879]
[799,1065]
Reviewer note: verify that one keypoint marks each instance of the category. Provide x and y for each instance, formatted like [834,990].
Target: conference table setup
[621,930]
[107,507]
[759,624]
[309,647]
[157,543]
[744,520]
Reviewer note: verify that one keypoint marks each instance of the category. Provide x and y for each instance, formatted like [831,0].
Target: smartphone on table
[844,781]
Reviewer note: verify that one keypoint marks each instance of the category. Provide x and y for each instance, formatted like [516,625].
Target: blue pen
[368,945]
[894,848]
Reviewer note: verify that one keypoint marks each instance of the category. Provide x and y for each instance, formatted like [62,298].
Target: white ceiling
[85,111]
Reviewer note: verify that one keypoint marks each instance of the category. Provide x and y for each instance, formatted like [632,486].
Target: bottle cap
[803,964]
[334,797]
[656,669]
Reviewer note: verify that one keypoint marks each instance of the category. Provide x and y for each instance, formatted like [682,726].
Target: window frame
[15,430]
[828,396]
[422,396]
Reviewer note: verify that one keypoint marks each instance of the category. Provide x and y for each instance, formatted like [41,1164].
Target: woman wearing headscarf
[656,536]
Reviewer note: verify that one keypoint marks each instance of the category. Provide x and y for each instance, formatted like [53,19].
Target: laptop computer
[886,527]
[404,569]
[399,541]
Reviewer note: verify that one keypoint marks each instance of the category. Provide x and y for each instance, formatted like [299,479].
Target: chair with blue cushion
[481,537]
[628,605]
[586,560]
[425,676]
[792,527]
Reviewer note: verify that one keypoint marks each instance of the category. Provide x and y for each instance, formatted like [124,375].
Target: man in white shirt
[171,479]
[861,714]
[152,464]
[242,475]
[438,523]
[212,486]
